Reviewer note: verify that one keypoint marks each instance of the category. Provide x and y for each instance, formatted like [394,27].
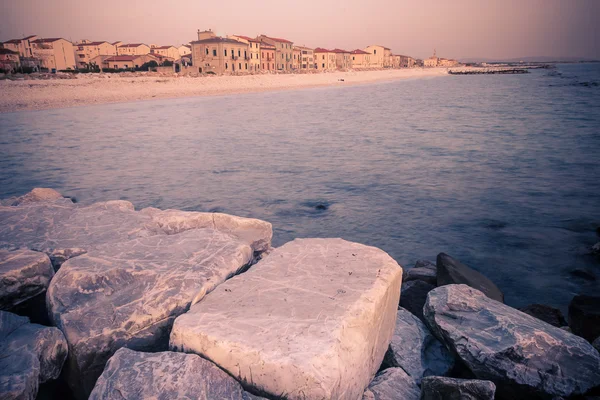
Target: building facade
[267,57]
[219,55]
[296,57]
[184,50]
[9,60]
[284,51]
[86,51]
[343,59]
[325,60]
[170,52]
[127,62]
[380,56]
[254,49]
[55,54]
[307,57]
[361,59]
[21,46]
[133,49]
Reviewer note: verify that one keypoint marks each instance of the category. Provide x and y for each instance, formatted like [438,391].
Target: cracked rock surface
[310,321]
[24,274]
[30,354]
[392,384]
[124,274]
[443,388]
[524,356]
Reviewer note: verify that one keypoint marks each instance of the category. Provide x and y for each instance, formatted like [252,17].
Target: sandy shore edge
[92,89]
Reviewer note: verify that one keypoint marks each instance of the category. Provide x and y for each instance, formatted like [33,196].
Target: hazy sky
[457,28]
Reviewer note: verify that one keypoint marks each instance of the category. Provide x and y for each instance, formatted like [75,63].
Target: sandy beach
[31,94]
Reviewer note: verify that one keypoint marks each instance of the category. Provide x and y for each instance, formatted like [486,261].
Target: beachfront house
[254,50]
[55,54]
[184,50]
[21,46]
[343,59]
[296,55]
[211,53]
[9,60]
[133,49]
[360,59]
[307,57]
[168,52]
[267,57]
[284,51]
[380,56]
[325,60]
[127,61]
[85,51]
[407,62]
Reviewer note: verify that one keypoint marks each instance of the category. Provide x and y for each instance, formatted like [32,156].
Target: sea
[502,172]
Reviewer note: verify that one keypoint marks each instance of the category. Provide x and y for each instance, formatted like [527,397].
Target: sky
[484,29]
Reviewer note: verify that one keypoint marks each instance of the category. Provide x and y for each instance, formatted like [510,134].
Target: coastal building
[184,50]
[380,56]
[21,46]
[133,49]
[170,52]
[127,61]
[435,61]
[219,55]
[284,51]
[254,50]
[361,59]
[407,62]
[325,60]
[296,56]
[343,59]
[55,54]
[267,57]
[117,43]
[307,57]
[85,51]
[9,60]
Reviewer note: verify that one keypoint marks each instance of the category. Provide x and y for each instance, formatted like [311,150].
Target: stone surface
[442,388]
[312,320]
[584,316]
[596,343]
[35,196]
[550,315]
[30,354]
[392,384]
[166,375]
[524,356]
[413,296]
[425,274]
[24,274]
[124,274]
[451,271]
[414,349]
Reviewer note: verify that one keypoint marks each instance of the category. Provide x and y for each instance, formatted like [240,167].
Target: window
[282,56]
[245,54]
[352,58]
[263,65]
[246,65]
[225,52]
[263,54]
[239,55]
[226,66]
[240,65]
[214,52]
[374,51]
[207,51]
[251,56]
[323,65]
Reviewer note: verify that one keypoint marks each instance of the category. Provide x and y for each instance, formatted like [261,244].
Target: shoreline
[87,90]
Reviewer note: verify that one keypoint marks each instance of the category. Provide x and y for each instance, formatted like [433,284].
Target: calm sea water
[501,172]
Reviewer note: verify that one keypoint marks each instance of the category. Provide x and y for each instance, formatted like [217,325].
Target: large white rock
[23,275]
[310,321]
[125,275]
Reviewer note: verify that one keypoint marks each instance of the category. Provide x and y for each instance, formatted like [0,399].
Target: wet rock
[136,375]
[30,354]
[392,384]
[24,274]
[127,274]
[425,264]
[442,388]
[584,316]
[413,296]
[524,356]
[311,320]
[583,274]
[550,315]
[414,349]
[424,271]
[451,271]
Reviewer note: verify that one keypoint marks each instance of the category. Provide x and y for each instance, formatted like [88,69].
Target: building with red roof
[128,61]
[254,50]
[211,53]
[133,49]
[166,51]
[360,59]
[55,54]
[86,51]
[21,46]
[284,51]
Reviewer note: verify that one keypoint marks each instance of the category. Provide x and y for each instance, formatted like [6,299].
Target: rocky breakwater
[312,320]
[125,275]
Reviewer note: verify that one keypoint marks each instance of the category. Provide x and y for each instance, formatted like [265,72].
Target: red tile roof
[359,51]
[49,40]
[277,39]
[13,41]
[339,51]
[321,50]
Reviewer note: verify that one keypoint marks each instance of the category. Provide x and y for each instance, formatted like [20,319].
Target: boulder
[124,274]
[166,375]
[424,271]
[524,356]
[451,271]
[550,315]
[413,296]
[596,343]
[443,388]
[30,354]
[584,316]
[414,349]
[37,195]
[392,384]
[24,274]
[312,320]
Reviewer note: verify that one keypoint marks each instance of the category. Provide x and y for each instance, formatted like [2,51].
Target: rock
[596,248]
[413,296]
[425,264]
[425,274]
[37,195]
[136,375]
[596,343]
[451,271]
[127,274]
[414,349]
[584,316]
[392,384]
[550,315]
[583,274]
[24,274]
[30,354]
[312,320]
[442,388]
[524,356]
